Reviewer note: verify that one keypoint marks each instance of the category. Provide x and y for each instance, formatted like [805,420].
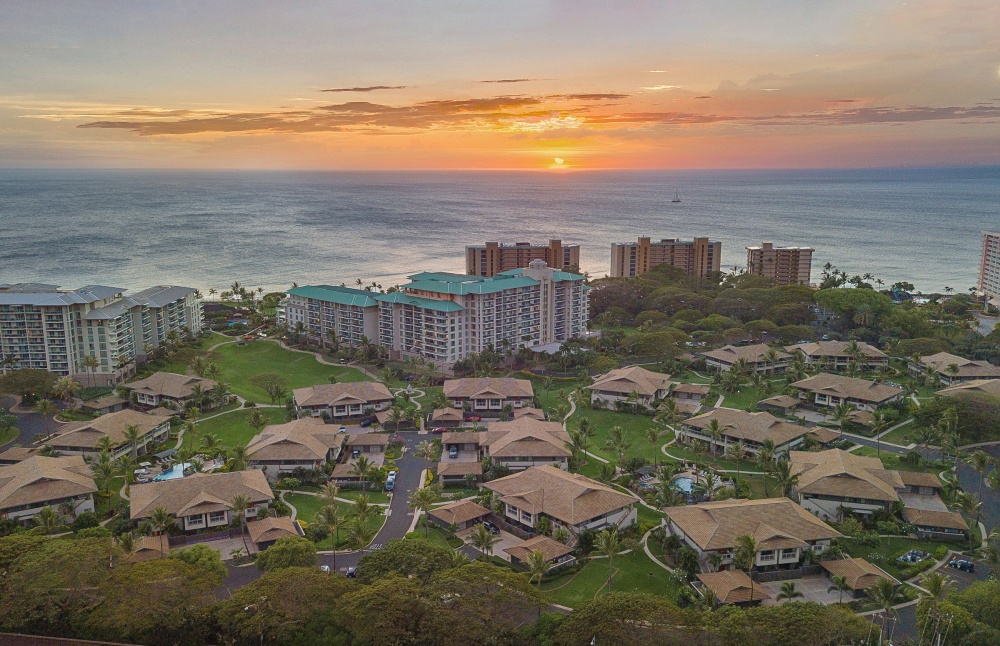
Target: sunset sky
[565,84]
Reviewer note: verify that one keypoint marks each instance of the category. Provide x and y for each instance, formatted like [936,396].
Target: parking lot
[506,540]
[813,588]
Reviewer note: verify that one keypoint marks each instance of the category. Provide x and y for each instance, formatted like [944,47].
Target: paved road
[990,498]
[28,424]
[397,522]
[906,624]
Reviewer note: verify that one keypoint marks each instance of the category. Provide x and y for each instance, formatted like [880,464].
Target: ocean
[208,228]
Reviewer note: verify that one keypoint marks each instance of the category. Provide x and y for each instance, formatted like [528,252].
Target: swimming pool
[176,471]
[684,483]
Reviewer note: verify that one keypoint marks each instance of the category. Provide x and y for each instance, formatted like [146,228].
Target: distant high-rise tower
[493,258]
[698,257]
[783,265]
[989,269]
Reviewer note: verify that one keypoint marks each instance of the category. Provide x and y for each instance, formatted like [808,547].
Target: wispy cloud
[657,71]
[368,88]
[704,96]
[609,96]
[513,80]
[655,88]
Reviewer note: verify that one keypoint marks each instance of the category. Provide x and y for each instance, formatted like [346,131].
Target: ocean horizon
[137,228]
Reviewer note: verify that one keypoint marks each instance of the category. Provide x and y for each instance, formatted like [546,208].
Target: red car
[439,429]
[473,418]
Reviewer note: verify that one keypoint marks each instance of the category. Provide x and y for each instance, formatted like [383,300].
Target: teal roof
[472,285]
[336,294]
[427,303]
[557,274]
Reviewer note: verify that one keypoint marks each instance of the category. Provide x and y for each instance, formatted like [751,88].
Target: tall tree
[239,506]
[421,502]
[608,544]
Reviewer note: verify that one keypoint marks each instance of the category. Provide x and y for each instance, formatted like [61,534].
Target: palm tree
[840,585]
[879,424]
[126,466]
[739,453]
[538,566]
[885,594]
[982,462]
[745,556]
[103,469]
[971,506]
[211,444]
[91,363]
[362,469]
[239,506]
[103,443]
[362,509]
[714,430]
[47,519]
[236,458]
[160,520]
[421,502]
[788,592]
[329,517]
[427,451]
[256,420]
[934,587]
[484,540]
[361,535]
[65,388]
[44,407]
[575,445]
[329,492]
[783,476]
[608,544]
[126,543]
[132,434]
[842,414]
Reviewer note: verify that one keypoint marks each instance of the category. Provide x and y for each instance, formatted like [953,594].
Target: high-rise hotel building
[783,265]
[989,268]
[495,258]
[46,328]
[699,257]
[349,314]
[445,317]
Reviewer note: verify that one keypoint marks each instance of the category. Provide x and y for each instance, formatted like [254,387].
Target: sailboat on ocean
[677,197]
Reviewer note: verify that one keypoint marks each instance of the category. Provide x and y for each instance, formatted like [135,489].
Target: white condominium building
[350,313]
[46,328]
[445,317]
[989,269]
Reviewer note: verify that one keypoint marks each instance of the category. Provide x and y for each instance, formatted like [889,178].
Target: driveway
[813,588]
[906,626]
[28,424]
[506,540]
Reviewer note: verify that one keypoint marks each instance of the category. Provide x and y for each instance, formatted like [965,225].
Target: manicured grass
[375,497]
[902,434]
[456,493]
[558,394]
[646,515]
[633,572]
[706,459]
[233,428]
[885,554]
[742,398]
[306,507]
[892,461]
[437,535]
[634,426]
[238,364]
[8,435]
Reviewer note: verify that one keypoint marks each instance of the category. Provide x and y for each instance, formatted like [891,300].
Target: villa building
[265,532]
[45,328]
[461,514]
[332,313]
[784,531]
[988,387]
[989,268]
[568,500]
[634,385]
[756,358]
[168,389]
[952,369]
[83,438]
[783,265]
[735,426]
[445,317]
[307,443]
[733,587]
[699,257]
[495,258]
[858,573]
[342,400]
[828,390]
[517,445]
[488,396]
[203,500]
[38,482]
[839,355]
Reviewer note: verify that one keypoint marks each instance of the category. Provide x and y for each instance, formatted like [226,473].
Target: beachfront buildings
[488,396]
[307,443]
[952,369]
[735,426]
[46,328]
[784,531]
[634,385]
[445,317]
[699,257]
[989,268]
[343,400]
[568,500]
[753,358]
[840,355]
[203,500]
[783,265]
[495,258]
[329,313]
[828,390]
[38,482]
[85,438]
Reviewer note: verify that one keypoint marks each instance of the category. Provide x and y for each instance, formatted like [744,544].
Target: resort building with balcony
[783,265]
[635,385]
[495,258]
[828,390]
[739,426]
[488,396]
[332,313]
[516,445]
[307,443]
[952,369]
[839,355]
[756,358]
[84,438]
[168,389]
[38,482]
[699,257]
[202,501]
[342,400]
[834,478]
[989,268]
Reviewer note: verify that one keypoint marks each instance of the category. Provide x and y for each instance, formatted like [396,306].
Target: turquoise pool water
[684,483]
[176,471]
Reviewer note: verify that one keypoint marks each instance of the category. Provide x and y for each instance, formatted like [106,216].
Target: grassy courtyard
[633,572]
[232,428]
[306,507]
[635,426]
[888,550]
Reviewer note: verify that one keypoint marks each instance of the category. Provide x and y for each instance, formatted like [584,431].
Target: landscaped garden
[633,572]
[307,506]
[233,428]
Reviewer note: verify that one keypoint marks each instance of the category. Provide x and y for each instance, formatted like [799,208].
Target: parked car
[962,564]
[453,451]
[324,568]
[352,573]
[356,453]
[396,438]
[342,429]
[490,526]
[390,485]
[473,418]
[392,473]
[365,423]
[439,429]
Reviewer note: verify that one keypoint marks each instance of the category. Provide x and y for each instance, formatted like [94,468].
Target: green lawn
[376,497]
[8,435]
[741,399]
[633,572]
[558,394]
[889,549]
[635,429]
[437,535]
[237,364]
[307,506]
[902,435]
[233,428]
[892,461]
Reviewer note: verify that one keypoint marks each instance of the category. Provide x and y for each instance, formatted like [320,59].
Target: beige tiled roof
[693,389]
[482,387]
[525,437]
[104,402]
[839,473]
[833,349]
[169,384]
[780,401]
[567,497]
[271,529]
[151,547]
[535,413]
[446,415]
[551,548]
[966,367]
[935,518]
[18,454]
[849,387]
[456,513]
[752,427]
[342,394]
[85,435]
[40,479]
[776,523]
[308,438]
[751,353]
[733,586]
[625,381]
[860,574]
[368,439]
[823,435]
[199,493]
[460,437]
[919,479]
[452,468]
[987,386]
